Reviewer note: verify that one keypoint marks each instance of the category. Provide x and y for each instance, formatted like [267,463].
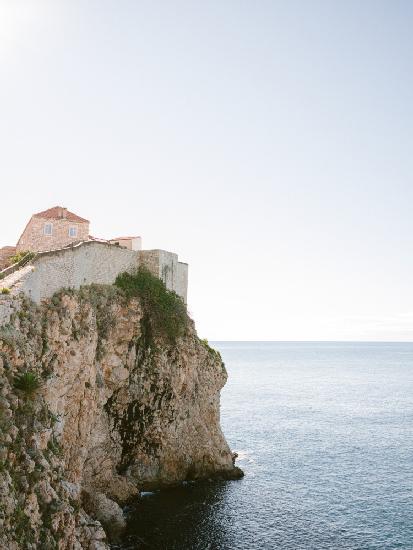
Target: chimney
[63,212]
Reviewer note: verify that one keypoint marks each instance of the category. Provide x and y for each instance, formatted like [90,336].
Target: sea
[324,434]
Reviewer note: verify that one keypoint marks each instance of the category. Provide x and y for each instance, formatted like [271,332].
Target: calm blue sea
[324,433]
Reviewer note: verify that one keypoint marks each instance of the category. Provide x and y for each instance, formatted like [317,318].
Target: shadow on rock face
[105,510]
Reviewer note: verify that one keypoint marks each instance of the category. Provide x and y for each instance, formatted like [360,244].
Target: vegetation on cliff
[25,255]
[28,383]
[33,503]
[164,309]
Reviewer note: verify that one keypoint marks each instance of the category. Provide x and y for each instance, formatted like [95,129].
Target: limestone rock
[116,410]
[108,512]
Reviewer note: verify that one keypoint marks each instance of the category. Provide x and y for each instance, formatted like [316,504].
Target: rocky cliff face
[96,405]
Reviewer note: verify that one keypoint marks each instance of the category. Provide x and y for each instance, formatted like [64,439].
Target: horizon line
[318,341]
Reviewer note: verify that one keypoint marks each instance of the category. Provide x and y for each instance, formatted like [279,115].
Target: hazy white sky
[268,143]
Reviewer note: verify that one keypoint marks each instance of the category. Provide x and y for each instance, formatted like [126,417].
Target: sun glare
[16,18]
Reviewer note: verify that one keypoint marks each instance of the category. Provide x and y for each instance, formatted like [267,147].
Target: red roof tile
[57,213]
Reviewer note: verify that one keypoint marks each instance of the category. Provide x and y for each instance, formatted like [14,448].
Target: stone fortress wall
[92,262]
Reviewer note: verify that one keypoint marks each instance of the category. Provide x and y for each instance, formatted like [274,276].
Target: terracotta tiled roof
[57,213]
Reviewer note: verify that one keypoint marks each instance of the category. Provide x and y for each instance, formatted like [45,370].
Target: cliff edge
[104,392]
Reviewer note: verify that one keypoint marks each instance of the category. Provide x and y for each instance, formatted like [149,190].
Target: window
[48,229]
[72,231]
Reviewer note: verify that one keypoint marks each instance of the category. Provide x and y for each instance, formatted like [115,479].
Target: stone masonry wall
[86,263]
[165,265]
[34,239]
[150,260]
[182,281]
[92,262]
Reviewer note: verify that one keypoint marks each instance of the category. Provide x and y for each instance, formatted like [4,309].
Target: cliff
[105,391]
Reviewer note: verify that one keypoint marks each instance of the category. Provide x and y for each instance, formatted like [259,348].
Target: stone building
[52,229]
[131,243]
[68,257]
[5,255]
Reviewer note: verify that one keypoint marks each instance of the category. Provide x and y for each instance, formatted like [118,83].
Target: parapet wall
[86,263]
[92,262]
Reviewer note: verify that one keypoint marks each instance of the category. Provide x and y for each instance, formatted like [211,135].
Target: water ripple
[325,436]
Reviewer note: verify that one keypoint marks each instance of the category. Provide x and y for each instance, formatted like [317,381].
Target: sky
[268,143]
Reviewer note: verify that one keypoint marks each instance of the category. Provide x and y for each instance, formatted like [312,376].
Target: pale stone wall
[168,268]
[150,260]
[34,239]
[86,263]
[92,262]
[182,281]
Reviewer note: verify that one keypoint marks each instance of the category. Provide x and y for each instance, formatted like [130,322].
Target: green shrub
[165,310]
[28,383]
[204,342]
[5,290]
[27,255]
[54,447]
